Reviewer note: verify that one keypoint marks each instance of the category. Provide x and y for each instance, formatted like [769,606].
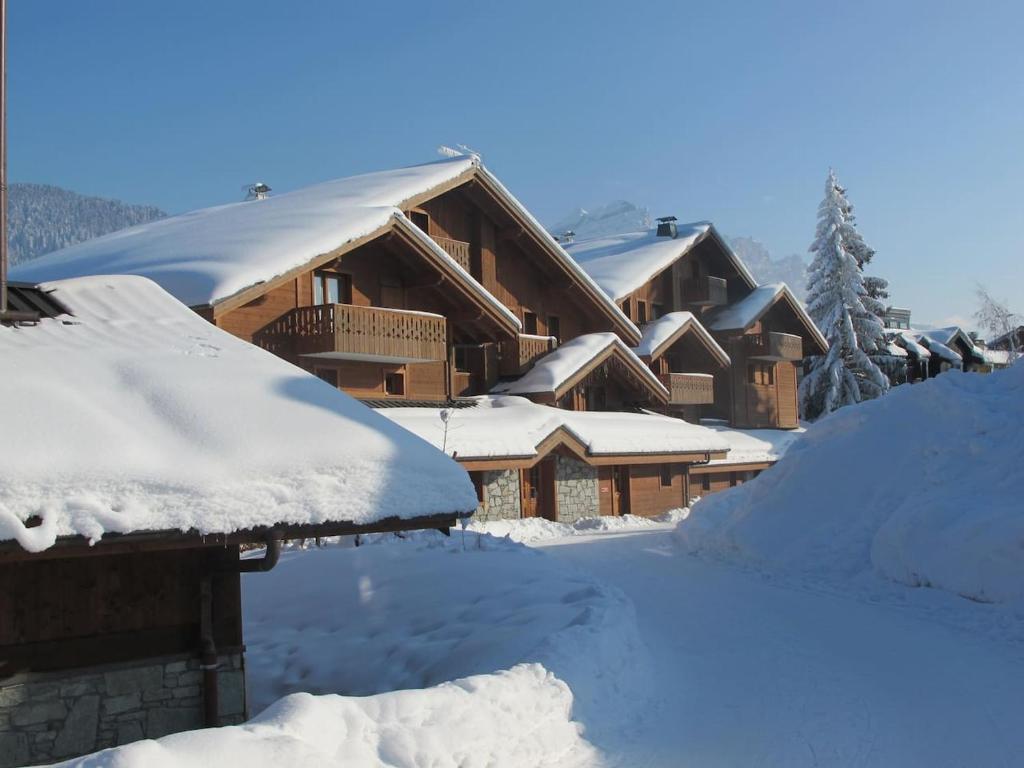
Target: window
[529,323]
[394,383]
[478,485]
[555,327]
[625,308]
[705,482]
[421,220]
[331,288]
[462,357]
[666,475]
[330,375]
[761,373]
[641,312]
[657,310]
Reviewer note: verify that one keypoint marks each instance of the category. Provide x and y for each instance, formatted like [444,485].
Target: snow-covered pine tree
[835,301]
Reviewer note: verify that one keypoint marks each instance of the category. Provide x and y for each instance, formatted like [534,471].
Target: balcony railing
[519,356]
[348,331]
[774,346]
[706,291]
[689,388]
[457,249]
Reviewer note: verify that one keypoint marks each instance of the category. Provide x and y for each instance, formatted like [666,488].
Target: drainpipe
[208,647]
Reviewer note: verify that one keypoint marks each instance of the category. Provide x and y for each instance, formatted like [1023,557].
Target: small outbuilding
[141,449]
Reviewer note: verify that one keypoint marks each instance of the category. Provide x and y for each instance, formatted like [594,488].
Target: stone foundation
[501,496]
[47,716]
[576,486]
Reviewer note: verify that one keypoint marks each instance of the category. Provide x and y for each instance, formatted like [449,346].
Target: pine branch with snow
[835,301]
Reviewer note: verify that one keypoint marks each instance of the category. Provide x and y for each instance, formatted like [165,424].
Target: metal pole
[3,157]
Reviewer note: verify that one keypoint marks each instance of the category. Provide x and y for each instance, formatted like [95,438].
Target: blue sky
[723,111]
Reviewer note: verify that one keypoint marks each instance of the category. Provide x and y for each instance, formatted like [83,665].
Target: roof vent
[257,191]
[667,227]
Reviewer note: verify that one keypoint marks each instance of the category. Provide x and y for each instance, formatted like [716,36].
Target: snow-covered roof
[661,333]
[208,255]
[753,446]
[136,414]
[894,349]
[500,427]
[622,263]
[553,371]
[941,350]
[996,356]
[946,337]
[908,342]
[748,310]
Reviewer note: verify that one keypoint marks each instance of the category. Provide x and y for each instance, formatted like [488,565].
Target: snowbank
[516,718]
[922,486]
[535,529]
[138,415]
[418,612]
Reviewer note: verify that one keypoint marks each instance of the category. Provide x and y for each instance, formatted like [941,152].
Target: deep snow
[922,486]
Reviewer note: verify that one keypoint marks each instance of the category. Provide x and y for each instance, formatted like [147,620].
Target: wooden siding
[366,381]
[349,329]
[772,345]
[517,356]
[61,613]
[648,497]
[688,388]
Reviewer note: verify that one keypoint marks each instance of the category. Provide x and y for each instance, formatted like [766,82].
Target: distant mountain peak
[612,218]
[43,218]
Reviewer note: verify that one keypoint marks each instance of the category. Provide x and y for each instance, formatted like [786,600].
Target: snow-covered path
[755,673]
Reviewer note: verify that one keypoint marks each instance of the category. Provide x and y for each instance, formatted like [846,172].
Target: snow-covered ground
[783,638]
[922,487]
[735,666]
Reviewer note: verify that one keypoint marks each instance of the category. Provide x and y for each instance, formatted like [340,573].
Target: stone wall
[54,715]
[576,485]
[501,496]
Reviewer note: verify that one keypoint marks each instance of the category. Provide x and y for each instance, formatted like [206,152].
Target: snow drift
[514,718]
[922,486]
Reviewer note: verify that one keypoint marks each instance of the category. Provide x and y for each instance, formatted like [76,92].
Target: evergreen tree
[835,301]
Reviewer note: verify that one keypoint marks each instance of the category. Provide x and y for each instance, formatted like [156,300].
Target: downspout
[208,647]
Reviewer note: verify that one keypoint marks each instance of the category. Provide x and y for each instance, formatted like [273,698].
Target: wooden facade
[757,386]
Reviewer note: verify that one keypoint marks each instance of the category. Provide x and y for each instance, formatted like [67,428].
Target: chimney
[257,191]
[667,227]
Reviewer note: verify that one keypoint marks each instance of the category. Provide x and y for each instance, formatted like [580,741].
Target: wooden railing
[346,329]
[689,388]
[457,249]
[519,356]
[773,346]
[706,291]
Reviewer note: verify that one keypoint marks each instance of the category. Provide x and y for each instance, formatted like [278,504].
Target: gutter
[208,647]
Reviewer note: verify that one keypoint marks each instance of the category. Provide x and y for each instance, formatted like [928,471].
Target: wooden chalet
[126,497]
[429,286]
[725,348]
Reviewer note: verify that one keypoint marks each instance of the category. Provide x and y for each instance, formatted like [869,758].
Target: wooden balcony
[706,291]
[689,388]
[457,249]
[774,346]
[518,356]
[348,332]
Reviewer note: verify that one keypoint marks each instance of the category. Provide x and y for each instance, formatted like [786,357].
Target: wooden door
[529,482]
[538,490]
[620,490]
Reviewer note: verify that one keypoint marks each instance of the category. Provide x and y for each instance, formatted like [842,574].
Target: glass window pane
[332,291]
[318,289]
